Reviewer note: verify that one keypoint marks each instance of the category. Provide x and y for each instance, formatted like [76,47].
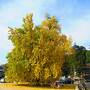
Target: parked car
[77,81]
[68,81]
[58,83]
[61,82]
[2,80]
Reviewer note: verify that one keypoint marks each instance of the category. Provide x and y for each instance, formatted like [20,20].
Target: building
[86,72]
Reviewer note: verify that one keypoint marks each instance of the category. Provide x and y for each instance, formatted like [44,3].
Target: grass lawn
[14,87]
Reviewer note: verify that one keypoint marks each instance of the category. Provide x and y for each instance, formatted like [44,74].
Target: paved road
[88,85]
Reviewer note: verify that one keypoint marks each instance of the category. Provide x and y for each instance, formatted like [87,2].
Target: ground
[14,87]
[88,85]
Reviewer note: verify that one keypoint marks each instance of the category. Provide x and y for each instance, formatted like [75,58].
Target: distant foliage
[38,52]
[88,56]
[76,61]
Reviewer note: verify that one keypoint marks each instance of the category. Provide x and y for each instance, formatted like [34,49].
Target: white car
[2,80]
[76,80]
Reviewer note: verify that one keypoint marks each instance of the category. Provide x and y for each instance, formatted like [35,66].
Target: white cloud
[11,15]
[79,30]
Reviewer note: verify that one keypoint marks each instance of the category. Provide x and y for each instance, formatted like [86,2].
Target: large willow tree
[38,52]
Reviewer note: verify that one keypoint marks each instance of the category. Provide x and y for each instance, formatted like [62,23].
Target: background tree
[88,56]
[75,61]
[2,72]
[80,57]
[68,67]
[38,52]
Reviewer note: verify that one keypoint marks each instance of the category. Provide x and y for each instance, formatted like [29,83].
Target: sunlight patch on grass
[15,87]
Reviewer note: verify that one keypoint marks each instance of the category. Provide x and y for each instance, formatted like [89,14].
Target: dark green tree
[80,57]
[88,56]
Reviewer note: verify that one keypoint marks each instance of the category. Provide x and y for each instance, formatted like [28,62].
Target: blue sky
[73,15]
